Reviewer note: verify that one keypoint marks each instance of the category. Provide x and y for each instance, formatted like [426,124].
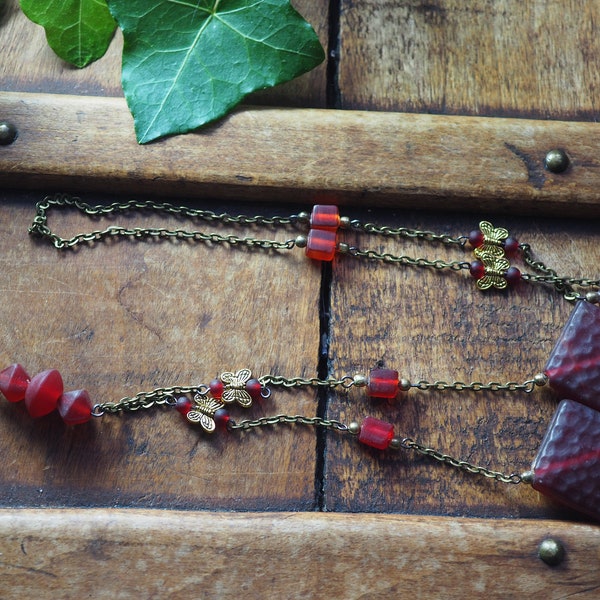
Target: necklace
[565,467]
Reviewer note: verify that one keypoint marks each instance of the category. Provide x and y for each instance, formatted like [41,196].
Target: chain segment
[463,465]
[477,386]
[292,382]
[295,419]
[386,257]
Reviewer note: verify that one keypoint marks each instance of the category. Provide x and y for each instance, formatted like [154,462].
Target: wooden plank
[120,318]
[283,155]
[436,326]
[29,65]
[505,58]
[133,554]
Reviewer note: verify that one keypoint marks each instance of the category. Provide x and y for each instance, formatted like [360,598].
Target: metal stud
[301,241]
[354,428]
[8,133]
[551,551]
[557,161]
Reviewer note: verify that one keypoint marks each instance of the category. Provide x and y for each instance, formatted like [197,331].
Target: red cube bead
[567,466]
[321,244]
[325,216]
[43,392]
[383,383]
[13,382]
[375,433]
[75,407]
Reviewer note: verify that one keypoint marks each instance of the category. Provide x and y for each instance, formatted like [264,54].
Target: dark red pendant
[573,368]
[567,466]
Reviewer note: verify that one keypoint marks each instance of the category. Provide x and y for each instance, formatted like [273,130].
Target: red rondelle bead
[325,216]
[476,238]
[477,269]
[375,433]
[43,393]
[216,388]
[183,405]
[13,382]
[513,275]
[321,244]
[254,388]
[383,383]
[75,407]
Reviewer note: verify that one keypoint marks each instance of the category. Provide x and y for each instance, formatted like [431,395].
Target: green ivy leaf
[79,31]
[188,62]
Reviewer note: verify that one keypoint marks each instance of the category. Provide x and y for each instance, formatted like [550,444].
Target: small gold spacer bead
[301,241]
[540,379]
[303,217]
[343,248]
[345,222]
[395,443]
[527,477]
[360,380]
[404,385]
[354,428]
[593,297]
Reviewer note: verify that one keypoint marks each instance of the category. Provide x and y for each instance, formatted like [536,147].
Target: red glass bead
[75,407]
[573,369]
[511,246]
[43,393]
[13,382]
[567,466]
[375,433]
[325,216]
[383,383]
[183,405]
[321,244]
[254,388]
[512,275]
[216,388]
[476,238]
[222,417]
[477,269]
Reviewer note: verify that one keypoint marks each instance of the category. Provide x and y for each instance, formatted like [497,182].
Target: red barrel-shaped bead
[383,383]
[43,392]
[325,216]
[375,433]
[13,382]
[321,244]
[75,407]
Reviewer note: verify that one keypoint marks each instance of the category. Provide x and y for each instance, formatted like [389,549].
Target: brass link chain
[409,444]
[405,232]
[407,260]
[294,419]
[292,382]
[476,386]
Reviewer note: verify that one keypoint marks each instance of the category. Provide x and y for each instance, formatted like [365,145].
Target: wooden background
[123,317]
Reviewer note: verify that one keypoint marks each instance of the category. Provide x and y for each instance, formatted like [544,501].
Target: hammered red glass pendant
[567,466]
[573,369]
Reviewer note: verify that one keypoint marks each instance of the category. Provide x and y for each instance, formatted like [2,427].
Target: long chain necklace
[567,465]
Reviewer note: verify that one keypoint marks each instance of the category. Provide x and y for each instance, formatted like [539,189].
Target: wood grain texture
[437,326]
[125,317]
[29,65]
[507,58]
[135,554]
[285,155]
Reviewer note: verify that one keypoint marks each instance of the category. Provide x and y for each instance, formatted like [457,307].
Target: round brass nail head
[8,133]
[557,161]
[551,551]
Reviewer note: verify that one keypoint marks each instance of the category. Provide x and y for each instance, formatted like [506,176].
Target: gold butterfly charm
[493,240]
[204,411]
[495,268]
[235,387]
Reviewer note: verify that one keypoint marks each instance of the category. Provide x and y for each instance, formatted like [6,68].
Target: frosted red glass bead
[567,466]
[43,392]
[216,388]
[183,405]
[75,407]
[222,418]
[254,388]
[321,244]
[375,433]
[476,238]
[573,369]
[325,216]
[383,383]
[477,269]
[13,382]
